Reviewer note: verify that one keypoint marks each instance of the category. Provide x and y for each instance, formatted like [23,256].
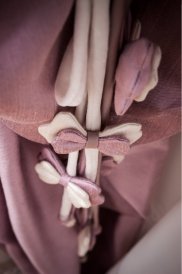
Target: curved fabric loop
[61,121]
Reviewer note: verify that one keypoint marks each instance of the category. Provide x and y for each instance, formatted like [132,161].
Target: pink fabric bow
[70,140]
[93,191]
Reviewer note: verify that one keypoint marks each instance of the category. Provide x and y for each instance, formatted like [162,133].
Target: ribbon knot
[64,180]
[92,139]
[82,192]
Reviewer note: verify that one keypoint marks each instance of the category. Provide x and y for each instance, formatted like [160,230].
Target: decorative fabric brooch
[81,191]
[66,135]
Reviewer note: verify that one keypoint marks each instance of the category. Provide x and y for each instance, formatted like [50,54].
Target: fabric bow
[66,135]
[69,140]
[81,191]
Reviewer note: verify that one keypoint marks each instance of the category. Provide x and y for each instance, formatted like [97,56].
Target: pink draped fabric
[33,206]
[33,38]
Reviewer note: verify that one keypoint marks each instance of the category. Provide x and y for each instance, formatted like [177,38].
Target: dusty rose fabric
[33,207]
[33,38]
[9,241]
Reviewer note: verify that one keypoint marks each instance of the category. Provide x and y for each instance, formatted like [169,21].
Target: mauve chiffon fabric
[33,38]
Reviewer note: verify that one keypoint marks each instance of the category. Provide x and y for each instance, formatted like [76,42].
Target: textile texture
[34,36]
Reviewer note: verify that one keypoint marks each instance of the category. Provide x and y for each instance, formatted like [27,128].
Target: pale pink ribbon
[70,140]
[51,170]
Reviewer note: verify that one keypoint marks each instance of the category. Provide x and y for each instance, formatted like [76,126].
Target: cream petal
[84,238]
[78,196]
[66,206]
[70,223]
[47,172]
[61,121]
[118,158]
[132,131]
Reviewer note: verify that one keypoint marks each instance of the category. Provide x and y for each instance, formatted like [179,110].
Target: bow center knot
[92,139]
[65,179]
